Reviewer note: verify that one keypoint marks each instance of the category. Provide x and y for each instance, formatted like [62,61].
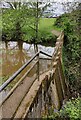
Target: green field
[46,24]
[45,28]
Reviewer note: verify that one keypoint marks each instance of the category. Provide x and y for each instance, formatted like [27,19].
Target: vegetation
[24,23]
[71,23]
[10,31]
[70,111]
[45,29]
[14,22]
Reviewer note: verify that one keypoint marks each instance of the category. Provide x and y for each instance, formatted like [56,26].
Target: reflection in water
[20,45]
[16,54]
[13,58]
[35,48]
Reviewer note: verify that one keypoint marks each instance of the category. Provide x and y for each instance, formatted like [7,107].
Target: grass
[46,25]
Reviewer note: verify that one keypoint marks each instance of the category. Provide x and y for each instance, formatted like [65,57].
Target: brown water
[15,54]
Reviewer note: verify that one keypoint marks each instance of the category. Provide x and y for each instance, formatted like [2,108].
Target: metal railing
[5,84]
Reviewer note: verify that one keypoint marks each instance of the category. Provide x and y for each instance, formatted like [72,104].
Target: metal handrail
[45,54]
[4,85]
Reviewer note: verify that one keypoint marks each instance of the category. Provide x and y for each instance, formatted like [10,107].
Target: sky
[57,1]
[44,0]
[66,0]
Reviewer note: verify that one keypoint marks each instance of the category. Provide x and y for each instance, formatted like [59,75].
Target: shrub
[72,109]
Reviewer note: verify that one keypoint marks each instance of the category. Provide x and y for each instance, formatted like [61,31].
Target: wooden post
[62,78]
[56,89]
[58,86]
[39,101]
[55,95]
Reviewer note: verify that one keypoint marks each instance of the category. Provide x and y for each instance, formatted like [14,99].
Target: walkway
[55,32]
[31,97]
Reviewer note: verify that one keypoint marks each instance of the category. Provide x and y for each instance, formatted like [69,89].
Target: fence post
[55,87]
[62,78]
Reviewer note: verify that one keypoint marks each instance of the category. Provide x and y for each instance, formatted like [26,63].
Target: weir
[33,97]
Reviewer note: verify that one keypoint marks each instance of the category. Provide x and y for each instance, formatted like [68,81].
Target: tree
[21,21]
[14,19]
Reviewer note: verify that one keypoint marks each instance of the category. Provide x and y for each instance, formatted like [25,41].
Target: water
[15,54]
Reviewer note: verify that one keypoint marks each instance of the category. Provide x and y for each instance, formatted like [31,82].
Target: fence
[52,87]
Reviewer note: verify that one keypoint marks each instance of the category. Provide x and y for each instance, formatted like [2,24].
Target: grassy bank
[27,31]
[72,51]
[46,25]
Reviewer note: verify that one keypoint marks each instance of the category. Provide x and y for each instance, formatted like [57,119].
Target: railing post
[62,78]
[55,89]
[58,85]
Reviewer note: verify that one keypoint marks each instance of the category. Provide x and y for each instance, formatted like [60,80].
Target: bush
[72,49]
[72,109]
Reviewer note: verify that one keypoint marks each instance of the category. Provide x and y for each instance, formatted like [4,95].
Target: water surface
[13,55]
